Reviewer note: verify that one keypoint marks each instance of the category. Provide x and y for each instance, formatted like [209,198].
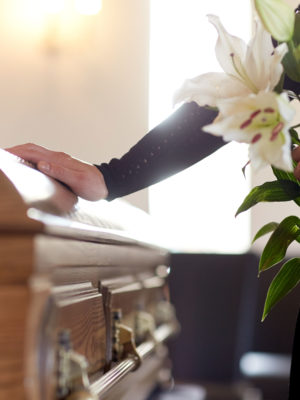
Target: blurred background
[90,78]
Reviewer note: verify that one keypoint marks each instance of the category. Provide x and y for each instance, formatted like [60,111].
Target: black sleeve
[289,84]
[170,147]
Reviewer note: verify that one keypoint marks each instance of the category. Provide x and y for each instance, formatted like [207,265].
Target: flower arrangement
[254,106]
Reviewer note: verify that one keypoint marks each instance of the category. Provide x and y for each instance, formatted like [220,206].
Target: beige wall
[90,96]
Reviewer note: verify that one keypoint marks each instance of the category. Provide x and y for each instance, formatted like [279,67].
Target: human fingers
[51,162]
[83,178]
[87,182]
[35,153]
[31,152]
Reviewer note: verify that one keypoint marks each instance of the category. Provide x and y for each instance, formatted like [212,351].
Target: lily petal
[286,108]
[209,88]
[248,69]
[260,120]
[257,60]
[275,67]
[226,46]
[274,153]
[228,128]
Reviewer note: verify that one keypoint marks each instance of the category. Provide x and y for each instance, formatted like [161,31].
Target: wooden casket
[84,306]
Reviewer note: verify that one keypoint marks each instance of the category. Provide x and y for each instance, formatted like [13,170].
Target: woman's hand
[83,178]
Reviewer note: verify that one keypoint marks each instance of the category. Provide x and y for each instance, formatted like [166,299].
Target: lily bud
[277,17]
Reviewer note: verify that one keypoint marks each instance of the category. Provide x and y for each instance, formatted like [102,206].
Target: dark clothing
[289,84]
[294,393]
[175,144]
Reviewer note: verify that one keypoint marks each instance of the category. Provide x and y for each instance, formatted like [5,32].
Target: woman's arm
[170,147]
[173,145]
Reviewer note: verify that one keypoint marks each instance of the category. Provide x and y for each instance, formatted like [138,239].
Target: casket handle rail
[123,340]
[91,390]
[102,385]
[72,371]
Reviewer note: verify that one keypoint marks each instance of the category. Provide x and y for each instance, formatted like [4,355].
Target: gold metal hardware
[72,370]
[123,340]
[144,326]
[165,312]
[104,384]
[81,395]
[162,271]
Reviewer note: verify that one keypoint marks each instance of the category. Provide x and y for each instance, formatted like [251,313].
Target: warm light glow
[53,6]
[197,206]
[56,24]
[88,7]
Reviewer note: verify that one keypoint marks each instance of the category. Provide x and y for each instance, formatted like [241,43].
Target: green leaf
[291,61]
[283,175]
[275,249]
[282,190]
[287,278]
[296,35]
[270,227]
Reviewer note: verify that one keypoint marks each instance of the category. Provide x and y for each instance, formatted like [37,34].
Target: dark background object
[219,302]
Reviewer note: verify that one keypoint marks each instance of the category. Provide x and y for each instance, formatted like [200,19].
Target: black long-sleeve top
[175,144]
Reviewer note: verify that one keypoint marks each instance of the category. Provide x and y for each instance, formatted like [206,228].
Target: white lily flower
[247,68]
[261,120]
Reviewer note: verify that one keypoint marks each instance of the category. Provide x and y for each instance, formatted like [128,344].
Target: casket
[84,304]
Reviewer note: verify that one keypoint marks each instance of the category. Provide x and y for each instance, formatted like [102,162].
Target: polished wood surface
[14,301]
[79,309]
[16,269]
[65,266]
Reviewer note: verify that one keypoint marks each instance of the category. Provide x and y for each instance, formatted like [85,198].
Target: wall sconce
[52,24]
[68,21]
[84,7]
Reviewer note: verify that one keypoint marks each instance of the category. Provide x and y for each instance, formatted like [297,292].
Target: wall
[89,95]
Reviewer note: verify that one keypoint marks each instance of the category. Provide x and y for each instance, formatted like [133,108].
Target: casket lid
[33,202]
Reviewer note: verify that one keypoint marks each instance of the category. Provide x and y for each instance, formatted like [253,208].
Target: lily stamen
[245,124]
[255,113]
[243,74]
[276,130]
[256,138]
